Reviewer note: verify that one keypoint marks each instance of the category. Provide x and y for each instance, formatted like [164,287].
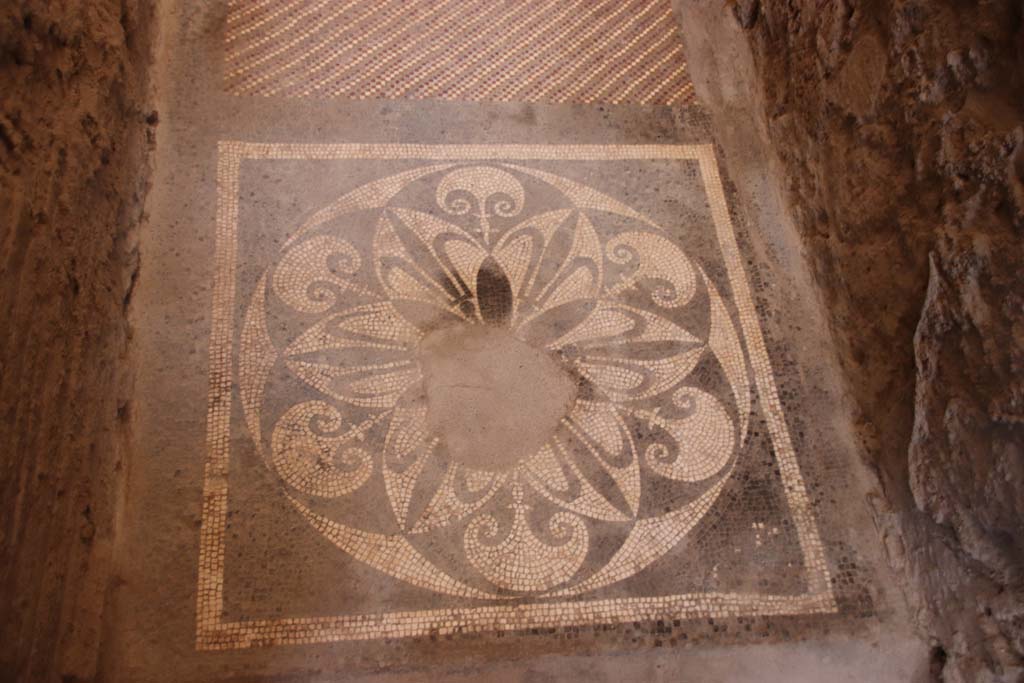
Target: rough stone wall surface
[898,124]
[73,143]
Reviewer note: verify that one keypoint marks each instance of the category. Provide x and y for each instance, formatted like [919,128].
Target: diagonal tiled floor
[474,385]
[537,51]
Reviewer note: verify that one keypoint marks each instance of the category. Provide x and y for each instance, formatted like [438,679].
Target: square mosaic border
[213,632]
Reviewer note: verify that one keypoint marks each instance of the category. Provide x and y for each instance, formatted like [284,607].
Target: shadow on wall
[74,138]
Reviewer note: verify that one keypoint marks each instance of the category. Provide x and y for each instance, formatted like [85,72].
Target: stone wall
[73,148]
[899,128]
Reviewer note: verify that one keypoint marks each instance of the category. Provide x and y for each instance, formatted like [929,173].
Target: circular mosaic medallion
[490,381]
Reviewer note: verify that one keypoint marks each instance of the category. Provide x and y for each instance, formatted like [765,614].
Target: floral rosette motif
[628,437]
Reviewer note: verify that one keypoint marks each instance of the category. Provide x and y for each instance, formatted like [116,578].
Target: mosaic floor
[617,51]
[546,390]
[433,372]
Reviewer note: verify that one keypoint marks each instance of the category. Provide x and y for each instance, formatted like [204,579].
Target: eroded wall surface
[898,125]
[73,143]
